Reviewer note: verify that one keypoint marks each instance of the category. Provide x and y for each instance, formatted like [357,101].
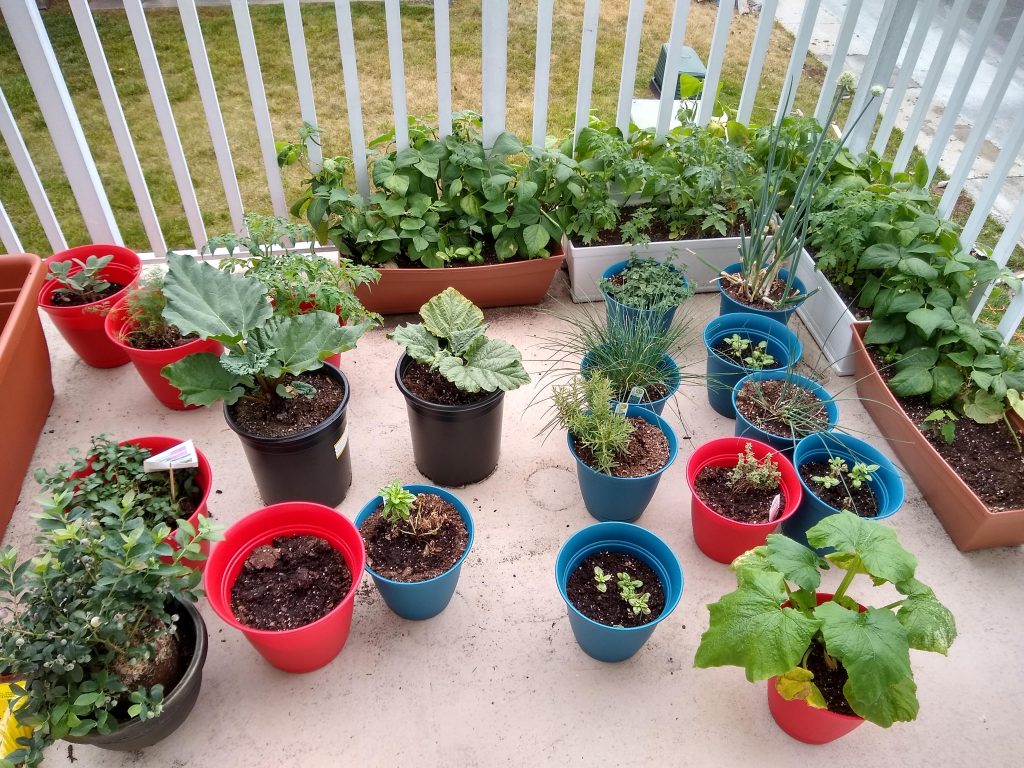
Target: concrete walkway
[497,679]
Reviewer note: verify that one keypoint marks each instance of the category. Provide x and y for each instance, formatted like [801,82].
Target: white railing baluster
[211,108]
[585,79]
[925,13]
[494,68]
[797,58]
[1013,316]
[443,58]
[258,99]
[165,119]
[994,184]
[118,124]
[396,61]
[755,64]
[353,102]
[719,39]
[10,239]
[680,16]
[1004,76]
[838,63]
[40,63]
[964,81]
[630,57]
[926,96]
[542,72]
[1000,255]
[303,79]
[29,177]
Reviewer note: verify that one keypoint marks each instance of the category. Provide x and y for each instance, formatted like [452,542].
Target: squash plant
[769,624]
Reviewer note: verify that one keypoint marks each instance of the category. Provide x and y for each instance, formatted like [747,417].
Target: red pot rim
[115,272]
[117,324]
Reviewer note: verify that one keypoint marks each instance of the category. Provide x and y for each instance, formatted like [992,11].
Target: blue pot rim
[672,366]
[849,447]
[618,267]
[640,532]
[651,418]
[746,316]
[417,488]
[734,268]
[813,386]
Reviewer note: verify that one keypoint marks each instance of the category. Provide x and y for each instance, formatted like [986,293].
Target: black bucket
[314,465]
[453,444]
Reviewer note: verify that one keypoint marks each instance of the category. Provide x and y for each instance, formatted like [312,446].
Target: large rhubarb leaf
[453,317]
[304,341]
[489,364]
[203,380]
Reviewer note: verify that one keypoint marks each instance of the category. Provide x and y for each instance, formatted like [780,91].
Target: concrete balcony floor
[497,679]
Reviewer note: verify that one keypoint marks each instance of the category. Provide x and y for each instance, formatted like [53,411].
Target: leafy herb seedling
[84,285]
[601,578]
[650,285]
[942,422]
[628,587]
[840,472]
[753,356]
[402,507]
[749,472]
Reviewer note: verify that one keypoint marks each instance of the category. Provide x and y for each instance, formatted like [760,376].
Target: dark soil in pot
[839,496]
[400,555]
[753,395]
[430,385]
[646,453]
[279,417]
[985,456]
[829,681]
[742,504]
[608,607]
[778,290]
[168,338]
[289,583]
[64,298]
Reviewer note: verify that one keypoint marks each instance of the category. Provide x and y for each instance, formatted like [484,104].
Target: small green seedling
[861,473]
[601,578]
[85,284]
[628,587]
[749,472]
[942,422]
[837,466]
[737,344]
[398,503]
[759,357]
[840,472]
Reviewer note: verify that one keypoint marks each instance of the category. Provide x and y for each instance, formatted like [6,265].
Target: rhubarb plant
[770,623]
[263,354]
[451,340]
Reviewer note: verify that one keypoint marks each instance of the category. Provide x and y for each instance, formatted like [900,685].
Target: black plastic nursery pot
[314,465]
[178,704]
[453,444]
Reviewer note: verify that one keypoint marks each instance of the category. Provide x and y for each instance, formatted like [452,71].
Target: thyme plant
[749,472]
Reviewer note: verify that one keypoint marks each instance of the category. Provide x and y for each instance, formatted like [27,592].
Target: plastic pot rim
[815,388]
[49,287]
[674,383]
[437,407]
[117,317]
[794,350]
[371,506]
[651,418]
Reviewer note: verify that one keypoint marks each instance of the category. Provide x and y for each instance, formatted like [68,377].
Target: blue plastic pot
[623,499]
[418,600]
[601,641]
[729,304]
[887,484]
[617,312]
[784,443]
[667,364]
[723,374]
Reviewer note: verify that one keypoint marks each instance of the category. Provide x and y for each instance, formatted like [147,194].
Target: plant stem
[843,586]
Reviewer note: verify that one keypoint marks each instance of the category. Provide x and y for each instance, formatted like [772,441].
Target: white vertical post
[393,22]
[258,99]
[10,239]
[23,162]
[303,80]
[542,72]
[680,15]
[118,125]
[1012,318]
[165,119]
[588,49]
[719,39]
[353,104]
[925,14]
[630,56]
[994,184]
[1000,255]
[936,67]
[443,57]
[964,81]
[1007,69]
[36,53]
[797,58]
[494,66]
[838,63]
[755,65]
[211,108]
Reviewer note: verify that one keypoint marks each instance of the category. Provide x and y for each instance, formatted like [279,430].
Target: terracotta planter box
[26,388]
[491,285]
[969,523]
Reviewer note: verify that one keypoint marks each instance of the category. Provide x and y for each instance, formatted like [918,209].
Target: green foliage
[750,472]
[81,279]
[942,422]
[840,473]
[582,408]
[601,579]
[649,284]
[398,502]
[751,628]
[756,357]
[261,349]
[95,596]
[628,587]
[451,341]
[145,305]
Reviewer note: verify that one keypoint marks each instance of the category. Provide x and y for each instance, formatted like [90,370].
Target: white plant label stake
[180,456]
[773,511]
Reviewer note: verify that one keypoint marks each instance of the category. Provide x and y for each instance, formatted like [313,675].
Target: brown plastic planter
[26,389]
[970,524]
[491,285]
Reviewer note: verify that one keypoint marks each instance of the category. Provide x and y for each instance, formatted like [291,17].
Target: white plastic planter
[827,317]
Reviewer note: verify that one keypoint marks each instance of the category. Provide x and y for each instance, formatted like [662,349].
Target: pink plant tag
[773,511]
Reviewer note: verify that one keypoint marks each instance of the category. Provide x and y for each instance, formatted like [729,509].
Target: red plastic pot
[804,722]
[719,537]
[82,326]
[314,645]
[150,362]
